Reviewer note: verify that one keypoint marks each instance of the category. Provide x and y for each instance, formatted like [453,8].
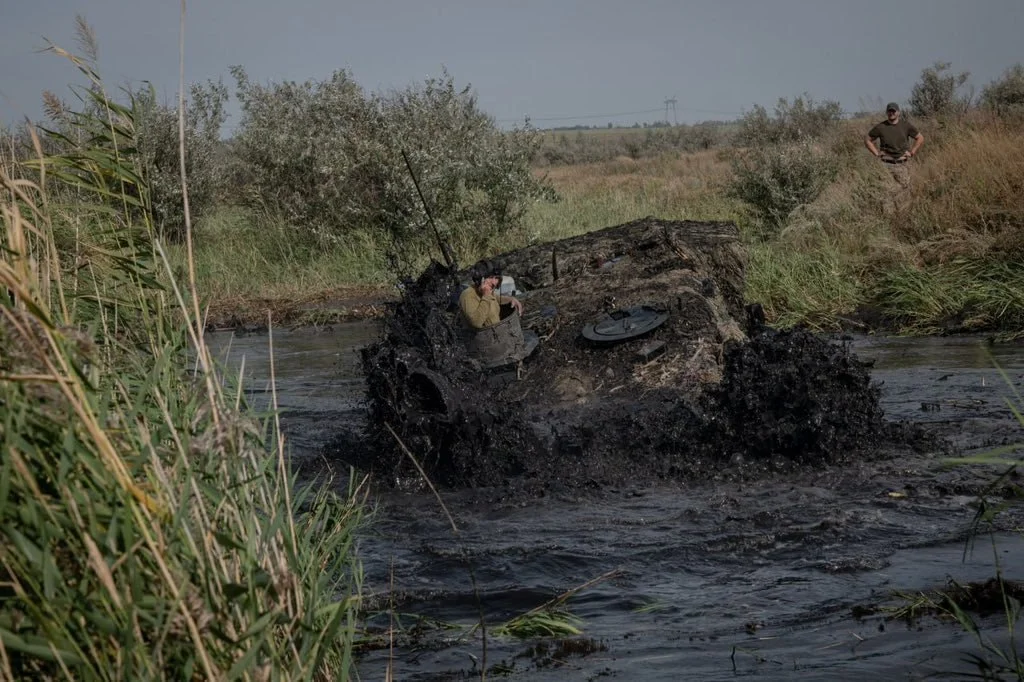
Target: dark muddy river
[774,579]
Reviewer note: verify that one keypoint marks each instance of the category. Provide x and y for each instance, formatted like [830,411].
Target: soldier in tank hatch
[480,304]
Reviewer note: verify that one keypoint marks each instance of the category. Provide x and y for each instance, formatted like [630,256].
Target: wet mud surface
[785,574]
[729,398]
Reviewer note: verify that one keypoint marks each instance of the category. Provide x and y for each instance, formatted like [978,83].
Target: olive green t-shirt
[894,136]
[479,311]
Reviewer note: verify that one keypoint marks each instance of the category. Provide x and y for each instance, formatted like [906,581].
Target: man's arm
[869,139]
[869,143]
[477,309]
[512,301]
[918,141]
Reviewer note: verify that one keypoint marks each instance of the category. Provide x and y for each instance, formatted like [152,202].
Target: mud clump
[724,393]
[424,399]
[792,394]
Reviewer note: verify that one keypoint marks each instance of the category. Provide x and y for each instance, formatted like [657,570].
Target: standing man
[894,135]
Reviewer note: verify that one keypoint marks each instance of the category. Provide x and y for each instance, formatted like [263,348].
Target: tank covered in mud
[642,363]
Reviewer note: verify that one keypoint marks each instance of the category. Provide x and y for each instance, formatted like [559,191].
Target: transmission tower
[671,101]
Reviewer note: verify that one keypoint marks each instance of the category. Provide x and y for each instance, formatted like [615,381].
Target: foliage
[935,94]
[302,151]
[966,295]
[145,533]
[799,287]
[328,158]
[145,133]
[776,180]
[564,148]
[157,140]
[803,119]
[476,179]
[1005,96]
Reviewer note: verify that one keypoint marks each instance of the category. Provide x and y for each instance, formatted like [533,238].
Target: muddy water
[715,581]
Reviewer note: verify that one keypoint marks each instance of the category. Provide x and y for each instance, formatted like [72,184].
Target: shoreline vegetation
[326,196]
[952,261]
[151,525]
[830,242]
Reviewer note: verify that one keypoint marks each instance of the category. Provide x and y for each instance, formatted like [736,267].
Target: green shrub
[1005,96]
[476,178]
[145,132]
[775,180]
[935,94]
[301,149]
[327,157]
[801,120]
[157,143]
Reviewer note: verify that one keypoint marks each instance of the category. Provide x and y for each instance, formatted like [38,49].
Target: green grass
[240,255]
[150,527]
[963,295]
[555,622]
[816,288]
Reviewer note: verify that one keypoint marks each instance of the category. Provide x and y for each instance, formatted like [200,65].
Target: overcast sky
[561,62]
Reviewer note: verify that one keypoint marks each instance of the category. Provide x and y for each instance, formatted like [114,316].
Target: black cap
[484,269]
[892,106]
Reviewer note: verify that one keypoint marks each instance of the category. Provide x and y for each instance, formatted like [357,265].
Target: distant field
[597,132]
[623,132]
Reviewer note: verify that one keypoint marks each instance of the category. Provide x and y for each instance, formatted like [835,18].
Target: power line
[671,101]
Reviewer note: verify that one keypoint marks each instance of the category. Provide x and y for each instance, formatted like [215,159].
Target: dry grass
[848,248]
[604,132]
[970,187]
[673,187]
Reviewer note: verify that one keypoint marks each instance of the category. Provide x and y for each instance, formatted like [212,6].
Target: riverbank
[332,306]
[950,260]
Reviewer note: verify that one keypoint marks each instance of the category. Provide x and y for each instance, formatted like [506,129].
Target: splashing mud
[578,414]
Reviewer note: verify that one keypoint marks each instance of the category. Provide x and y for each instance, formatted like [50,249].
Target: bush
[146,133]
[158,148]
[803,119]
[328,158]
[775,180]
[935,94]
[299,147]
[476,178]
[1005,96]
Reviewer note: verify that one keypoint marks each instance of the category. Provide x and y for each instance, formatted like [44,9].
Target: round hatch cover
[627,323]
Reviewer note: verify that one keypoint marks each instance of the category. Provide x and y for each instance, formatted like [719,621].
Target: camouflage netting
[579,413]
